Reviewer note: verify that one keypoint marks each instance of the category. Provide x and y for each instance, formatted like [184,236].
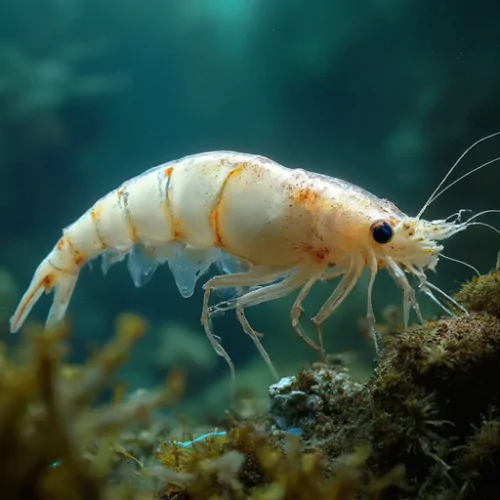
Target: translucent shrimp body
[270,229]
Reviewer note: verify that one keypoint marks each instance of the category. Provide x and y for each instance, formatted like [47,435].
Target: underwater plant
[55,444]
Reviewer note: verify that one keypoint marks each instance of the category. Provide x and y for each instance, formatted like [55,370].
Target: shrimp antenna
[435,194]
[459,179]
[461,262]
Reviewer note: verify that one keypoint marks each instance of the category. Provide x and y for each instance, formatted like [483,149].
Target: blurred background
[383,93]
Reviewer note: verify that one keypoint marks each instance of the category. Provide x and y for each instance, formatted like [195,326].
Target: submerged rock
[301,400]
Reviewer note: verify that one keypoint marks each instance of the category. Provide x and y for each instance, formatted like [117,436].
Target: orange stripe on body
[96,215]
[177,231]
[175,223]
[167,208]
[215,212]
[131,230]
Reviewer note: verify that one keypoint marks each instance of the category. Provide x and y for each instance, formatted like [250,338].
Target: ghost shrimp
[270,230]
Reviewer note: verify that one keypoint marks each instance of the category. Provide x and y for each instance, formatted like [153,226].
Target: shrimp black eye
[382,232]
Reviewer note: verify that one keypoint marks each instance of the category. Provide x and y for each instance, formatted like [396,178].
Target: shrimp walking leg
[370,315]
[342,290]
[279,290]
[264,294]
[297,310]
[268,293]
[409,298]
[256,276]
[276,290]
[247,328]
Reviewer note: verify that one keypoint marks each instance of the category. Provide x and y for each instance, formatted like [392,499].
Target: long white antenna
[434,194]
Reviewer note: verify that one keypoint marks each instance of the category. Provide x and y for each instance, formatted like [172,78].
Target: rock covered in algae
[302,400]
[432,405]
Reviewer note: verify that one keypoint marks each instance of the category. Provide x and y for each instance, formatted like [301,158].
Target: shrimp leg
[339,294]
[240,314]
[297,310]
[256,276]
[370,315]
[278,290]
[281,289]
[409,298]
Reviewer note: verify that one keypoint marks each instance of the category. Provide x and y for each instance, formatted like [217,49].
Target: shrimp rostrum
[270,229]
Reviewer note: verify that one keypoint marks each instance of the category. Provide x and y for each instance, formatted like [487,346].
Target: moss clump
[432,405]
[482,294]
[433,384]
[479,459]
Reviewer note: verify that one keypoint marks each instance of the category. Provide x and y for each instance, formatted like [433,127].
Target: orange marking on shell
[70,244]
[48,282]
[177,232]
[79,258]
[305,195]
[131,230]
[96,215]
[409,227]
[95,212]
[214,222]
[320,254]
[168,171]
[215,212]
[133,233]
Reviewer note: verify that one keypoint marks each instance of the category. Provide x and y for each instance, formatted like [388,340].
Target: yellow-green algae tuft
[54,444]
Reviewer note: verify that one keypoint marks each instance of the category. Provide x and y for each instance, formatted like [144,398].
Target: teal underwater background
[385,94]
